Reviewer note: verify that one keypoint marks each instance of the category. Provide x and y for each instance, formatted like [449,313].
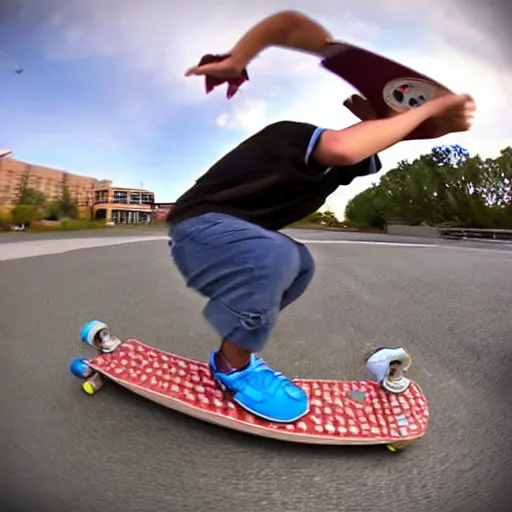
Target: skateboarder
[224,230]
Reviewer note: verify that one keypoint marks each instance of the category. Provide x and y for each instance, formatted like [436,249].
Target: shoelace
[262,371]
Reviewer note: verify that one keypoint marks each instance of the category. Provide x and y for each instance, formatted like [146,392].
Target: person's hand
[225,69]
[360,107]
[451,113]
[218,69]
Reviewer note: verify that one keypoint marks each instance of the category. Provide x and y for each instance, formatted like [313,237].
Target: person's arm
[289,29]
[360,141]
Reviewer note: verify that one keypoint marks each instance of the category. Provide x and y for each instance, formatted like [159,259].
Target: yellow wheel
[88,388]
[399,446]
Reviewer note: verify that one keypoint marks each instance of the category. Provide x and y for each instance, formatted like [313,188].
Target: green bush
[66,225]
[52,211]
[77,224]
[25,214]
[5,221]
[61,209]
[43,225]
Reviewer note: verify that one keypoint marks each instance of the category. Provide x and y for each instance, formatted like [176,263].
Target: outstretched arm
[338,148]
[289,29]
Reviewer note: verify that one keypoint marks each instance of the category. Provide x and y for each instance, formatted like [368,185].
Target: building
[15,174]
[123,205]
[96,199]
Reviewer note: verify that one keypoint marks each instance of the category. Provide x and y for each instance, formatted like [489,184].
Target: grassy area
[66,225]
[88,225]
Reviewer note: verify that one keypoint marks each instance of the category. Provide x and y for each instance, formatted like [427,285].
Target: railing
[476,234]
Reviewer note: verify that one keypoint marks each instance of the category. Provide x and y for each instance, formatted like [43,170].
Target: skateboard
[386,84]
[341,412]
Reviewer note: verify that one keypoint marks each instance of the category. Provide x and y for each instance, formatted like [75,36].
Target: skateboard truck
[389,366]
[97,334]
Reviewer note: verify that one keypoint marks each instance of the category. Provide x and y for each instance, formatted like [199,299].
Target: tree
[365,209]
[32,197]
[24,183]
[446,186]
[61,208]
[449,155]
[25,214]
[314,218]
[52,211]
[64,207]
[5,220]
[30,206]
[328,218]
[67,207]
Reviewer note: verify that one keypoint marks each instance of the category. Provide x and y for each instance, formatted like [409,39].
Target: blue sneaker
[263,392]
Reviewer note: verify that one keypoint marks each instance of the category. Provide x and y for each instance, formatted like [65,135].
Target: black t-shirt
[270,179]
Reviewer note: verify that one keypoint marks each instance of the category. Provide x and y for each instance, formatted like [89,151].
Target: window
[101,196]
[130,217]
[120,197]
[135,197]
[147,198]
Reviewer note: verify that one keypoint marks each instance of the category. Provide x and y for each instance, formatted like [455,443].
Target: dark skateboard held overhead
[386,84]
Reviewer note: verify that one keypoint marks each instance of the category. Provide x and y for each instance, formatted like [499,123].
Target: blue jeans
[248,273]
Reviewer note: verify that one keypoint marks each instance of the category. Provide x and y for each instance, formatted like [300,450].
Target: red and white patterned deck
[335,418]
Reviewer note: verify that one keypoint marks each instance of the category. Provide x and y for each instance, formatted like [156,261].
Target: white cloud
[250,118]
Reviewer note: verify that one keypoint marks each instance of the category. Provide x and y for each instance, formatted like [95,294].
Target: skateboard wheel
[88,388]
[399,446]
[90,330]
[93,384]
[79,368]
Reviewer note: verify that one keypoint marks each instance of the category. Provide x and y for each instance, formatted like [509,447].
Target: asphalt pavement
[448,303]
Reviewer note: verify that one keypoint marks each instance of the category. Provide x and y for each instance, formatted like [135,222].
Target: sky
[103,91]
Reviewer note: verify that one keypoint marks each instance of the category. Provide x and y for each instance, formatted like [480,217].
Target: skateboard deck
[341,412]
[386,84]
